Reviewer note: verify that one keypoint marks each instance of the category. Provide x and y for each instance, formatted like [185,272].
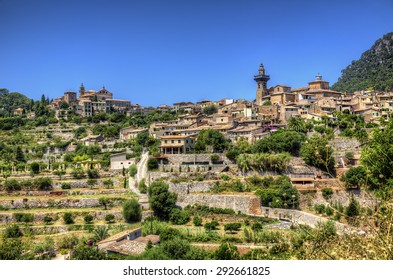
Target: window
[178,141]
[166,141]
[172,141]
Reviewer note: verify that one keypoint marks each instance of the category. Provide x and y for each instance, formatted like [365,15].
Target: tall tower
[261,80]
[81,90]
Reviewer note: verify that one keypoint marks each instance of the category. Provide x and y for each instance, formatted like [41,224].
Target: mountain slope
[374,69]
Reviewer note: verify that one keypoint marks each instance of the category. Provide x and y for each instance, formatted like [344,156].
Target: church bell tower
[261,80]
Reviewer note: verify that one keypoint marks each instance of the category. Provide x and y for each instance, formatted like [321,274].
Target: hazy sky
[153,52]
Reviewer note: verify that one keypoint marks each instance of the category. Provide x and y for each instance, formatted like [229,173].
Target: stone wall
[190,187]
[298,217]
[26,203]
[247,204]
[39,217]
[178,159]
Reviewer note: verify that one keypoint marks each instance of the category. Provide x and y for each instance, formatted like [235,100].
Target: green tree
[110,218]
[133,170]
[161,200]
[19,155]
[59,172]
[355,177]
[86,252]
[197,221]
[152,164]
[132,211]
[67,218]
[226,251]
[232,227]
[88,218]
[317,152]
[210,110]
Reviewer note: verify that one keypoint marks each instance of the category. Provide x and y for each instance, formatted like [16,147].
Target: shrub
[35,167]
[93,173]
[353,208]
[142,186]
[152,164]
[133,170]
[43,184]
[197,221]
[132,211]
[214,157]
[110,218]
[88,218]
[23,217]
[319,208]
[108,183]
[11,185]
[67,218]
[179,217]
[327,193]
[226,251]
[78,173]
[232,227]
[211,226]
[329,211]
[12,231]
[66,186]
[48,219]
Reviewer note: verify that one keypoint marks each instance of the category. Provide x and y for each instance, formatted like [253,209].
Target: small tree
[35,168]
[104,202]
[48,219]
[108,183]
[132,211]
[88,218]
[110,218]
[161,200]
[211,226]
[67,218]
[12,231]
[232,227]
[197,221]
[133,170]
[226,251]
[142,186]
[152,164]
[91,183]
[59,172]
[93,173]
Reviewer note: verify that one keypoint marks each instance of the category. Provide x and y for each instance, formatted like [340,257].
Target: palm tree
[100,233]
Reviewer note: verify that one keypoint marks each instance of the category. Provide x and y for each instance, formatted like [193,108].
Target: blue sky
[154,52]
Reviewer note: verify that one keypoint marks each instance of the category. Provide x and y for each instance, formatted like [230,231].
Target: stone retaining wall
[39,217]
[190,187]
[247,204]
[298,217]
[25,203]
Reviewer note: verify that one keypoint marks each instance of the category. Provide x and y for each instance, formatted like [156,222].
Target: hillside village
[113,179]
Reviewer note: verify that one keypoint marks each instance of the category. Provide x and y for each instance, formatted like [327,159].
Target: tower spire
[261,79]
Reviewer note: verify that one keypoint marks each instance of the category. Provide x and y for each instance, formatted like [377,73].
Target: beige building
[177,144]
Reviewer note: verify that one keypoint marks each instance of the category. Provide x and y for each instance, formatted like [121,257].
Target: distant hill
[374,69]
[9,101]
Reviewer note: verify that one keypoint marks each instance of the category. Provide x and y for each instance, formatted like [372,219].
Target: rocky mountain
[374,69]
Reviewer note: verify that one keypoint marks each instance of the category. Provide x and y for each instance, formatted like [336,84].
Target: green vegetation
[132,211]
[210,138]
[277,193]
[372,71]
[161,200]
[317,152]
